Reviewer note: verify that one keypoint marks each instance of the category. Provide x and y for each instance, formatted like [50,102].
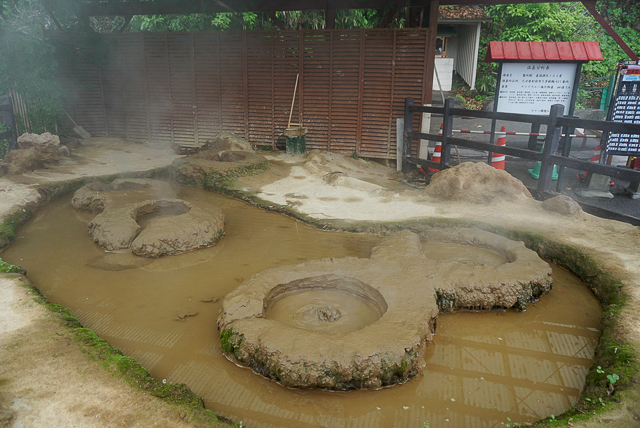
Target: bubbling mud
[330,304]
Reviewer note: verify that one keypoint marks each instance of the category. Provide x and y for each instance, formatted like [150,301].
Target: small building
[457,43]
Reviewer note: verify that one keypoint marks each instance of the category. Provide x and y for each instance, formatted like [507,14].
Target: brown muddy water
[482,368]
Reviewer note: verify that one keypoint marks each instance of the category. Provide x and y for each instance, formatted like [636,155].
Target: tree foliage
[292,20]
[27,65]
[539,22]
[621,13]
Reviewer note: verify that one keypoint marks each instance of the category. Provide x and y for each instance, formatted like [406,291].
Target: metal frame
[556,124]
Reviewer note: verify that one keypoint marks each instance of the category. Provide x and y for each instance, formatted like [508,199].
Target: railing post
[407,140]
[533,139]
[566,150]
[551,143]
[447,131]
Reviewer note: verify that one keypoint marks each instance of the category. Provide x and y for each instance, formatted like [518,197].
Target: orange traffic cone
[497,159]
[437,153]
[594,158]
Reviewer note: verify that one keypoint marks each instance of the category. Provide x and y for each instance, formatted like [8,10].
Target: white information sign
[532,88]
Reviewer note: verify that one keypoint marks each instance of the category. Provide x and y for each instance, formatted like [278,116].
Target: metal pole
[550,146]
[567,140]
[408,127]
[566,150]
[495,108]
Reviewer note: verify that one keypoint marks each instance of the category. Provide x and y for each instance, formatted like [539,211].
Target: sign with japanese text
[532,88]
[625,109]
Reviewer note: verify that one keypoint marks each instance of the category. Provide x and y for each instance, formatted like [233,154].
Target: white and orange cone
[497,159]
[437,153]
[594,158]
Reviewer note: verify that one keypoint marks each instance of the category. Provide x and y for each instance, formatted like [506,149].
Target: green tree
[621,13]
[540,22]
[292,20]
[28,66]
[200,22]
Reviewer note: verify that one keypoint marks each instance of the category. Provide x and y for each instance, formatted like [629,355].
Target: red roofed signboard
[543,51]
[535,75]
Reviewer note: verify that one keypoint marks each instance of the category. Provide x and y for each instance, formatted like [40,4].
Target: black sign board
[625,108]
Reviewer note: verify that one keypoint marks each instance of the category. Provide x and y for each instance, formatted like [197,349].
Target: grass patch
[10,224]
[9,268]
[231,342]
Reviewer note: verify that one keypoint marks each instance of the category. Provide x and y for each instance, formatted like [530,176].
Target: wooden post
[533,140]
[408,127]
[330,15]
[431,51]
[8,116]
[551,143]
[447,131]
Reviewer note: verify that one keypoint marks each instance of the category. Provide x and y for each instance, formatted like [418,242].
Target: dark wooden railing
[557,124]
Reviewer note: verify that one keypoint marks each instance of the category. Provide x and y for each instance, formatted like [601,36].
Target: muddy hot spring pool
[482,367]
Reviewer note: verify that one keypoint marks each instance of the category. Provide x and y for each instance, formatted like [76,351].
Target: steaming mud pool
[481,368]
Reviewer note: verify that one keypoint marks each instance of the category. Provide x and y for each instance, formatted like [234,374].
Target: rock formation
[406,288]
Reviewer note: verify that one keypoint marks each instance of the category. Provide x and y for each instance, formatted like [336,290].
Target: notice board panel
[532,88]
[625,109]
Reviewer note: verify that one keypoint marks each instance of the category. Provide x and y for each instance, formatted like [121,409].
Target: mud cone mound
[145,217]
[476,183]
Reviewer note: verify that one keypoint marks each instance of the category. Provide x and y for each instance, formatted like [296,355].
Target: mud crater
[295,324]
[329,303]
[144,217]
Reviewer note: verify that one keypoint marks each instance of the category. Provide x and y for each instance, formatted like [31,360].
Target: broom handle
[70,118]
[293,100]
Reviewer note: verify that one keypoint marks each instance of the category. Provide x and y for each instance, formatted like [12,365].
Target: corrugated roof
[543,51]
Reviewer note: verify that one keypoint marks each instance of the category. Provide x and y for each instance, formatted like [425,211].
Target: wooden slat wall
[207,86]
[184,88]
[158,87]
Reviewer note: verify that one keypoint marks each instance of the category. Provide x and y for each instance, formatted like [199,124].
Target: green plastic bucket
[295,138]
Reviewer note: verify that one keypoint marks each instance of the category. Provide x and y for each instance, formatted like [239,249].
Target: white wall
[467,52]
[444,66]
